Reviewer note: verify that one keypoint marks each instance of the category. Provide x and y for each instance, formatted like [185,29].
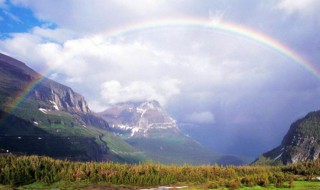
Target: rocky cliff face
[301,143]
[139,119]
[62,98]
[51,96]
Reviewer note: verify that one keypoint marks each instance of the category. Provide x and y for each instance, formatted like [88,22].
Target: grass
[74,186]
[298,185]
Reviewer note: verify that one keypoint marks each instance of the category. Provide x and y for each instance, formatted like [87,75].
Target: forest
[23,170]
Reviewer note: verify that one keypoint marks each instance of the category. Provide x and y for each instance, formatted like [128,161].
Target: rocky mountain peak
[153,104]
[139,118]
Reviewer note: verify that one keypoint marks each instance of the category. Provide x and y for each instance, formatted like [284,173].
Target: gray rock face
[301,143]
[62,98]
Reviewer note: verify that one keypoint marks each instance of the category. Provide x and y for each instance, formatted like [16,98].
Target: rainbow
[22,94]
[221,26]
[11,105]
[213,25]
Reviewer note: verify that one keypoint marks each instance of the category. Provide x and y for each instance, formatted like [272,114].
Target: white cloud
[23,52]
[114,92]
[140,68]
[302,6]
[145,7]
[201,117]
[85,17]
[56,35]
[97,106]
[216,16]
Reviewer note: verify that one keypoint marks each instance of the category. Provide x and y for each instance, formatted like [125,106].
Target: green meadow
[35,172]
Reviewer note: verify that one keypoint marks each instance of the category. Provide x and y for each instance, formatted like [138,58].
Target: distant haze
[239,95]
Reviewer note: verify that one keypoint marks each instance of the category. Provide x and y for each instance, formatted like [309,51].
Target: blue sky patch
[14,19]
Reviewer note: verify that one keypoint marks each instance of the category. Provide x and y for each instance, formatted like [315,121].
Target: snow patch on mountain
[45,111]
[134,130]
[54,105]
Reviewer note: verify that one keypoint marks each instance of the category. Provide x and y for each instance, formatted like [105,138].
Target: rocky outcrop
[139,119]
[61,97]
[301,143]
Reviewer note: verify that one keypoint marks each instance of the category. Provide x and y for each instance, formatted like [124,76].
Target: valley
[53,120]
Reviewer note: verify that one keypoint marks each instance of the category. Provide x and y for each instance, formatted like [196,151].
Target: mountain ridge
[300,144]
[51,119]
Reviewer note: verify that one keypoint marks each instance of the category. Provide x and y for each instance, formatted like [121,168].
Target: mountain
[140,119]
[41,116]
[146,126]
[301,143]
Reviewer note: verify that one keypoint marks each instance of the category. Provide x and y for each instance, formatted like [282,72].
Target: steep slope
[147,127]
[40,116]
[301,143]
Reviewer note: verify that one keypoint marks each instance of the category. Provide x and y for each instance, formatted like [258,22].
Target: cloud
[114,92]
[201,117]
[148,8]
[13,45]
[53,35]
[302,6]
[97,106]
[95,16]
[216,16]
[210,67]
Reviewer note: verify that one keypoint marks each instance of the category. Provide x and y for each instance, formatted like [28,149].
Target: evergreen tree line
[22,170]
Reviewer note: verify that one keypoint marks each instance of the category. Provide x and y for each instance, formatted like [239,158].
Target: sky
[230,92]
